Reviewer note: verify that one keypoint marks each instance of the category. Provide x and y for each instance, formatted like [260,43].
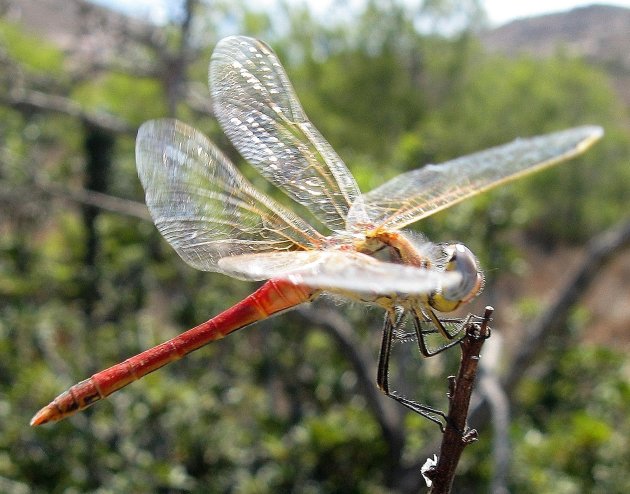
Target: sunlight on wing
[258,110]
[339,270]
[203,206]
[417,194]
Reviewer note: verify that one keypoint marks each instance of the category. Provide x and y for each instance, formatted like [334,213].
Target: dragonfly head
[461,260]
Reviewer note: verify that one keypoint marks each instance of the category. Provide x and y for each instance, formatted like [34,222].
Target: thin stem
[457,435]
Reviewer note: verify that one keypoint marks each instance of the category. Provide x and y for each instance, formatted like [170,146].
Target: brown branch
[28,100]
[600,250]
[457,435]
[98,199]
[141,69]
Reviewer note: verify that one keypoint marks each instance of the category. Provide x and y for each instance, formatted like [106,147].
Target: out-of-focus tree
[288,405]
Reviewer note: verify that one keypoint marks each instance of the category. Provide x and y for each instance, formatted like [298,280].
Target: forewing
[259,111]
[420,193]
[339,270]
[203,206]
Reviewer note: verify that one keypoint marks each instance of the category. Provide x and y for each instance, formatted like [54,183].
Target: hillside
[83,30]
[599,33]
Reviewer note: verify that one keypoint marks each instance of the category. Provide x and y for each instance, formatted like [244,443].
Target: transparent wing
[420,193]
[258,110]
[339,270]
[203,206]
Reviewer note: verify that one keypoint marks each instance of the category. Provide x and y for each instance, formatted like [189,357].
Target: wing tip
[232,42]
[592,134]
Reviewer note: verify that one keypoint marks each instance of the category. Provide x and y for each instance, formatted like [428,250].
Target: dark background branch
[29,101]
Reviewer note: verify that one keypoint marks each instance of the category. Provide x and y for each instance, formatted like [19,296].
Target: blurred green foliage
[278,408]
[29,51]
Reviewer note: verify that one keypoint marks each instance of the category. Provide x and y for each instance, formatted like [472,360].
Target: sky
[499,11]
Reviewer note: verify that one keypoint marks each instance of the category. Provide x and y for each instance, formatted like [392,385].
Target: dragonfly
[216,220]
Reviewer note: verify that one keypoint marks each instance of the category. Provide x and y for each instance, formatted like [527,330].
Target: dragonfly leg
[392,324]
[422,333]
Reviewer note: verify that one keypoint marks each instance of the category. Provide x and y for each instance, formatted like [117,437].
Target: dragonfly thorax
[402,248]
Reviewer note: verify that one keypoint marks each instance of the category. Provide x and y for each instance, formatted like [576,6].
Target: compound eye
[463,261]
